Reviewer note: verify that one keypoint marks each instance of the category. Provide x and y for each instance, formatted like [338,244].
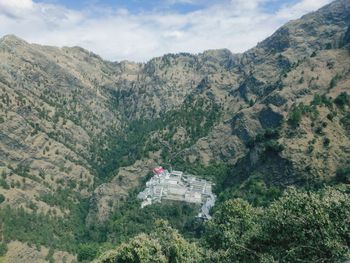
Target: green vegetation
[254,190]
[268,140]
[322,100]
[342,100]
[109,152]
[298,111]
[88,251]
[4,184]
[273,146]
[140,249]
[334,81]
[345,121]
[164,245]
[300,226]
[343,175]
[254,221]
[114,150]
[295,117]
[245,222]
[264,136]
[64,233]
[129,220]
[249,213]
[49,255]
[92,107]
[2,198]
[305,226]
[326,142]
[228,235]
[342,103]
[3,249]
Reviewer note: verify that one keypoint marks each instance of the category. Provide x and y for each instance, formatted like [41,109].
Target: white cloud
[300,8]
[15,4]
[119,34]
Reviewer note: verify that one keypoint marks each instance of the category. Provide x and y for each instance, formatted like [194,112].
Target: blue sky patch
[134,6]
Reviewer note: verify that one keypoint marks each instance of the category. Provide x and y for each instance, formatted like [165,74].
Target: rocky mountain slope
[79,133]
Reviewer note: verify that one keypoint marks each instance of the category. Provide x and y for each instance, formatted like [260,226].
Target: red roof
[158,170]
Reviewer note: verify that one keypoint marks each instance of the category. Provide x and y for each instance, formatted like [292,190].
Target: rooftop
[176,186]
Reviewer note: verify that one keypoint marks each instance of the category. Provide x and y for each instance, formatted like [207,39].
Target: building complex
[176,186]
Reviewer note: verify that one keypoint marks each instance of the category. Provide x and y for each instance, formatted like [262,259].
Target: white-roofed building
[176,186]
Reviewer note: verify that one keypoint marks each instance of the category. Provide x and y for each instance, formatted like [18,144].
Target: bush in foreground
[298,227]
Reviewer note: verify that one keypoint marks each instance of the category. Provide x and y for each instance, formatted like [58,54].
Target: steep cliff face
[69,120]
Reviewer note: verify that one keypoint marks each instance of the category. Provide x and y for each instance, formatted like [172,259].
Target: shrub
[343,175]
[326,141]
[3,249]
[267,134]
[165,245]
[140,249]
[310,148]
[334,82]
[330,116]
[87,252]
[273,146]
[4,184]
[342,100]
[231,229]
[174,246]
[295,117]
[319,130]
[2,198]
[322,100]
[307,227]
[271,133]
[346,121]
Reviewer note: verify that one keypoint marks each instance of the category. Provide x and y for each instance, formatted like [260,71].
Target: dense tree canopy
[164,245]
[300,226]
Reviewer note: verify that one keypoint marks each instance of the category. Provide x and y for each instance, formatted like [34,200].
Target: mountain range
[80,134]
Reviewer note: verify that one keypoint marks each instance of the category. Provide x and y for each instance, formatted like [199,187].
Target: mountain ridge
[79,133]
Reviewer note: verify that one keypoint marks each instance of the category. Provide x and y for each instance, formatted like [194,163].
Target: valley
[268,128]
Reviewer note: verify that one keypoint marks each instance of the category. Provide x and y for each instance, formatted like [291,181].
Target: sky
[138,30]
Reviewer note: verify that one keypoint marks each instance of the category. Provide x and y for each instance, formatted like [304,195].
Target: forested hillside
[270,127]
